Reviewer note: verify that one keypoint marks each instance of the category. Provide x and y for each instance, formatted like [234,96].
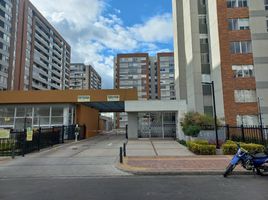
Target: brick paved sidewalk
[177,165]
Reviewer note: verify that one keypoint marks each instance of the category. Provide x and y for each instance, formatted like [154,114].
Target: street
[86,170]
[136,188]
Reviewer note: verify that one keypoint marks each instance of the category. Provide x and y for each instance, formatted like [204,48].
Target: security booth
[154,119]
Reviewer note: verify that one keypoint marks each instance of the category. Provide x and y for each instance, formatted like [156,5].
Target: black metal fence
[19,144]
[248,134]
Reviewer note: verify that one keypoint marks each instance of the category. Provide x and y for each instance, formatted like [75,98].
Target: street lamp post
[260,113]
[214,111]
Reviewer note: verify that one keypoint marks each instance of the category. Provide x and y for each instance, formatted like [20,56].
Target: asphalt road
[136,188]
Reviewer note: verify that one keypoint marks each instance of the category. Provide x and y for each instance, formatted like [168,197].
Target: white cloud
[156,29]
[78,13]
[96,35]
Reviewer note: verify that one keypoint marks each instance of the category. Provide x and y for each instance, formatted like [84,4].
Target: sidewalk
[183,165]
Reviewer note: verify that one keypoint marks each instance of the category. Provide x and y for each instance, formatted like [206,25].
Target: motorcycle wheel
[229,169]
[262,171]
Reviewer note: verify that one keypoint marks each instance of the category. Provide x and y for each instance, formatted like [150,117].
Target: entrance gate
[157,125]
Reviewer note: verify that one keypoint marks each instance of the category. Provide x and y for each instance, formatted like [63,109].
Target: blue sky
[99,29]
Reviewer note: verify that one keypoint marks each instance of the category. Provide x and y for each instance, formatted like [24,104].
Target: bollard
[124,150]
[13,149]
[121,155]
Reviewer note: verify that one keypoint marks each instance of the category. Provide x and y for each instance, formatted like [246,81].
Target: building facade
[224,41]
[34,56]
[84,77]
[153,76]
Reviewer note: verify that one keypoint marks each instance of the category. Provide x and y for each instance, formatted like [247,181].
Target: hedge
[230,148]
[201,147]
[6,145]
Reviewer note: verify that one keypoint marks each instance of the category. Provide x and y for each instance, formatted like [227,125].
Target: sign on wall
[113,97]
[4,134]
[83,98]
[29,135]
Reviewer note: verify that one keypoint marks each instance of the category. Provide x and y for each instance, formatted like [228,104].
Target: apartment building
[153,76]
[224,41]
[166,83]
[33,55]
[84,77]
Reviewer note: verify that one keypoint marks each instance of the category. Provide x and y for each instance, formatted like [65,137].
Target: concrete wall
[132,125]
[179,50]
[215,57]
[154,106]
[259,34]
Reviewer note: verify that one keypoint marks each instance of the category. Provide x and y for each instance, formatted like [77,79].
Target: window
[207,90]
[267,23]
[266,4]
[248,120]
[243,70]
[241,47]
[238,24]
[205,58]
[237,3]
[245,96]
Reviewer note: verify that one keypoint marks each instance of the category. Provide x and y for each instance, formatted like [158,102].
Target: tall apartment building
[152,76]
[33,55]
[225,41]
[84,77]
[166,81]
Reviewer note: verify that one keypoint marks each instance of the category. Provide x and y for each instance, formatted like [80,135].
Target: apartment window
[267,23]
[239,24]
[242,47]
[202,19]
[266,4]
[247,120]
[207,90]
[237,3]
[243,70]
[204,58]
[245,96]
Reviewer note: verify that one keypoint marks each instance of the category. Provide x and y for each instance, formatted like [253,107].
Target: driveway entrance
[94,157]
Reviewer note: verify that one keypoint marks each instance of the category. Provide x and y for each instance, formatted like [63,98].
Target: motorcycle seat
[260,155]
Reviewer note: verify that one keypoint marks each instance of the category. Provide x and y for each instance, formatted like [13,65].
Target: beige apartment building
[153,76]
[84,77]
[224,41]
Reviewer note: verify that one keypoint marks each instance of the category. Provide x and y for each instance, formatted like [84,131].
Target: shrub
[193,122]
[182,142]
[230,148]
[201,148]
[6,145]
[191,130]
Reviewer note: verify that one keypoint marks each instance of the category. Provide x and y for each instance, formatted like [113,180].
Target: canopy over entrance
[116,106]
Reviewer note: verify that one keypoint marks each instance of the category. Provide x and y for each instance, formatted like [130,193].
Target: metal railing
[19,144]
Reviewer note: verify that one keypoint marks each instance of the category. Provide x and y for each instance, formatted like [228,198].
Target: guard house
[155,119]
[147,119]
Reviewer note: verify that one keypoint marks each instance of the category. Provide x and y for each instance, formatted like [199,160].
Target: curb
[177,173]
